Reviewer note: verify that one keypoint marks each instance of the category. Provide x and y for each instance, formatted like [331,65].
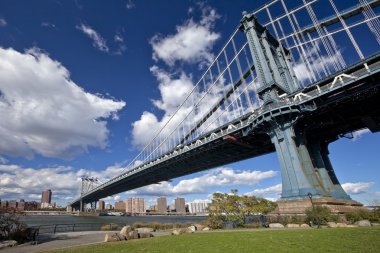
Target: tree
[10,226]
[230,207]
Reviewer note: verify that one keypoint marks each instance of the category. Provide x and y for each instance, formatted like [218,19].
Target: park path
[60,240]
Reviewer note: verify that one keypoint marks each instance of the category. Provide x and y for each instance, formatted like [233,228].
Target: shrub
[216,221]
[109,227]
[355,216]
[323,213]
[11,228]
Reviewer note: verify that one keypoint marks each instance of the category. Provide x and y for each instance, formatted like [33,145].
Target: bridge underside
[301,144]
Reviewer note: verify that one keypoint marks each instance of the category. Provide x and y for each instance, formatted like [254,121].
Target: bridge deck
[240,139]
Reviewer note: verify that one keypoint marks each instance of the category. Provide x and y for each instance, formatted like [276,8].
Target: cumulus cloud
[3,22]
[24,182]
[358,134]
[213,178]
[191,42]
[275,189]
[44,112]
[357,188]
[97,40]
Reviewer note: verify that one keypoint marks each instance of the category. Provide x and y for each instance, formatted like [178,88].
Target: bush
[11,228]
[323,213]
[216,221]
[109,227]
[373,216]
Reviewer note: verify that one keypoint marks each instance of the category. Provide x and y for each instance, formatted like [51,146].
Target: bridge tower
[303,157]
[88,183]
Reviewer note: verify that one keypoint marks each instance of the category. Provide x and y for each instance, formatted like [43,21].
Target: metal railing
[75,227]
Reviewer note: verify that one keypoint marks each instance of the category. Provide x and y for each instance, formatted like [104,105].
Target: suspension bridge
[293,77]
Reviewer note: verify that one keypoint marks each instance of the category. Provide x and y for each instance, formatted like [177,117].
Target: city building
[108,206]
[135,205]
[101,204]
[120,205]
[46,198]
[153,208]
[198,207]
[4,204]
[12,204]
[179,204]
[162,206]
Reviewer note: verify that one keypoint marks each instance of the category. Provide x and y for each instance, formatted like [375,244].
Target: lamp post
[310,195]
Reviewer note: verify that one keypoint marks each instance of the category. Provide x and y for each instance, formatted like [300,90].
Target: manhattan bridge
[293,77]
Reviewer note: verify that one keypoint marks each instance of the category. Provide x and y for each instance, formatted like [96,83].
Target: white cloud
[3,22]
[214,178]
[275,189]
[358,134]
[130,5]
[23,182]
[44,112]
[47,24]
[357,188]
[191,43]
[3,160]
[97,40]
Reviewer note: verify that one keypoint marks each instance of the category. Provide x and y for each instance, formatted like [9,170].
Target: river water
[35,220]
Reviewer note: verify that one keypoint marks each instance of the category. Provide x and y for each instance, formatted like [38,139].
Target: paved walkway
[60,240]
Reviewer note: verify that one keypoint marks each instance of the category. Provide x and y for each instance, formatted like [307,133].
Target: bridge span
[269,107]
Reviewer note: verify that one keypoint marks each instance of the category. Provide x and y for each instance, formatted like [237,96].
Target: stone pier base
[298,207]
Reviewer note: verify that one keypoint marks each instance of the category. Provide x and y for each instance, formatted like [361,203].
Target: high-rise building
[46,196]
[4,204]
[12,204]
[162,206]
[135,205]
[108,206]
[179,204]
[120,205]
[101,204]
[198,207]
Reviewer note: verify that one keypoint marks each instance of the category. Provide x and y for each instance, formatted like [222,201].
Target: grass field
[307,240]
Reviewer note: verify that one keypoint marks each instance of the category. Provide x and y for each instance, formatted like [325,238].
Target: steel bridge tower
[304,162]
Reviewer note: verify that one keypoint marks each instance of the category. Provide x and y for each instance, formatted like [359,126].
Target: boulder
[341,225]
[6,244]
[331,224]
[276,225]
[192,228]
[145,230]
[304,225]
[114,237]
[180,231]
[133,235]
[206,229]
[291,225]
[145,235]
[125,230]
[199,227]
[363,223]
[352,226]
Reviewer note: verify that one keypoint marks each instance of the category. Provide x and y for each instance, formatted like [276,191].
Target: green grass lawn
[307,240]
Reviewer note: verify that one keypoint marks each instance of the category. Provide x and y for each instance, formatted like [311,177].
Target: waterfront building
[21,205]
[46,198]
[4,204]
[135,205]
[101,205]
[120,205]
[198,207]
[179,204]
[162,206]
[108,206]
[12,204]
[153,208]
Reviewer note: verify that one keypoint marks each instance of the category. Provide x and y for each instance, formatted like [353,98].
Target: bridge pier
[306,168]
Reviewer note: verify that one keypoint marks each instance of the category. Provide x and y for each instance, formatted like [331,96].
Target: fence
[59,228]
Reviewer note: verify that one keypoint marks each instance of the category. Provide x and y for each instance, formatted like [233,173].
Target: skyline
[99,85]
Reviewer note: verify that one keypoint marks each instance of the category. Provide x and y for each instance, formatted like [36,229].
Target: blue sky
[79,78]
